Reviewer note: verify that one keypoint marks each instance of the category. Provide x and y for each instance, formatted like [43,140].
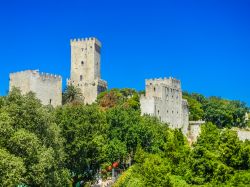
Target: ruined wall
[243,134]
[85,68]
[194,130]
[47,87]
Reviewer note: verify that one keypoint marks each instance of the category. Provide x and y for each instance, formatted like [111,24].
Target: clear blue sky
[204,43]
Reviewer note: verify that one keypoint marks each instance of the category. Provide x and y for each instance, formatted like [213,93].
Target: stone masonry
[194,130]
[163,99]
[47,87]
[244,134]
[85,68]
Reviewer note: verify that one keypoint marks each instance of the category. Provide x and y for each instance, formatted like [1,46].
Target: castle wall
[243,135]
[48,88]
[85,68]
[148,105]
[194,130]
[185,116]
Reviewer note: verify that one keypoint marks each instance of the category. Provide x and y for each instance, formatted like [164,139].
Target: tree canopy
[46,146]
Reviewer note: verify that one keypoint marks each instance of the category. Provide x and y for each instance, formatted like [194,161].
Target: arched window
[80,77]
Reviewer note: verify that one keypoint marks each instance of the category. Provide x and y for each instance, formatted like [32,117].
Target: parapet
[172,82]
[77,41]
[47,76]
[25,72]
[36,73]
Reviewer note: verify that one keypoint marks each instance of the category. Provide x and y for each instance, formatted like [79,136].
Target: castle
[85,74]
[163,99]
[85,68]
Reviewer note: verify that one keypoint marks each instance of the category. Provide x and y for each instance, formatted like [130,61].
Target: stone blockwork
[163,99]
[244,134]
[85,68]
[194,130]
[47,87]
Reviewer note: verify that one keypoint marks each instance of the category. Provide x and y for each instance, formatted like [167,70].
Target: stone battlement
[50,76]
[164,81]
[41,75]
[77,41]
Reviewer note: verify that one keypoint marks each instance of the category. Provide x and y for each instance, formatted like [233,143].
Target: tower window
[154,89]
[50,101]
[80,77]
[82,62]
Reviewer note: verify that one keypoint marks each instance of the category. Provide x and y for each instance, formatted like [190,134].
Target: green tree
[115,150]
[225,113]
[28,132]
[85,131]
[12,169]
[72,95]
[195,108]
[126,97]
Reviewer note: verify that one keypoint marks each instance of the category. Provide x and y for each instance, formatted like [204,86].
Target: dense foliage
[31,147]
[217,159]
[46,146]
[223,113]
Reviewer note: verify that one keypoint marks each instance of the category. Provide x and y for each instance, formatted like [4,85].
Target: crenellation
[49,76]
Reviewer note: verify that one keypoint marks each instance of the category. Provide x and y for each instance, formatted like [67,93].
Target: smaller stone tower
[85,68]
[164,100]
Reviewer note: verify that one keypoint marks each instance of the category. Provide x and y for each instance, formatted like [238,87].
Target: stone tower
[164,100]
[85,68]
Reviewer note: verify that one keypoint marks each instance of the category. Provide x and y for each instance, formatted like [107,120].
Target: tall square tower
[85,68]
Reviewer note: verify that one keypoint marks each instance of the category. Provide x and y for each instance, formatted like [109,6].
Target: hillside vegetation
[46,146]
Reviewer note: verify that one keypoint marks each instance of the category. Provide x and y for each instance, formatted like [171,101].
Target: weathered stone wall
[194,130]
[47,87]
[185,116]
[243,134]
[163,99]
[85,68]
